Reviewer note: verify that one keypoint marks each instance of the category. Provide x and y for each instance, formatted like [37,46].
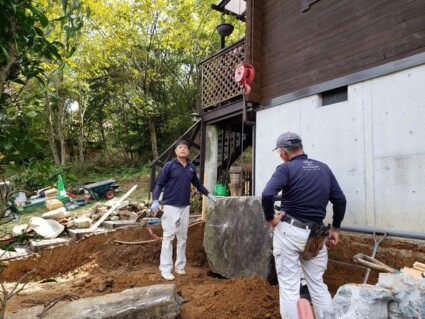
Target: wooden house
[349,77]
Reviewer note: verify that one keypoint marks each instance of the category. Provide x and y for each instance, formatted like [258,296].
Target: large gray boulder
[408,293]
[395,296]
[158,301]
[237,242]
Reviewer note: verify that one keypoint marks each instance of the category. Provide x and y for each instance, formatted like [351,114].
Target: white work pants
[288,243]
[175,222]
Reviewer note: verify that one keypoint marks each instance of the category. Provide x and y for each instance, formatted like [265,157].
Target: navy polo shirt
[307,186]
[175,180]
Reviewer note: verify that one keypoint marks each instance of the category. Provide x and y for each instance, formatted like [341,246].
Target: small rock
[105,285]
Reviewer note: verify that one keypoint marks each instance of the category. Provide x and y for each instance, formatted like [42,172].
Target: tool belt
[315,241]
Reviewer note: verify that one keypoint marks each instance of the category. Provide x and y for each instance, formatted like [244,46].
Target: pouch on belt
[315,241]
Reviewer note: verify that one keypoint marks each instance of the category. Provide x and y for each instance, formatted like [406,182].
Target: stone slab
[19,252]
[38,245]
[236,240]
[78,233]
[118,223]
[158,301]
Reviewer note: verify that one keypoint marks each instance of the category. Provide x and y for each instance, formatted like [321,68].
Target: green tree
[23,49]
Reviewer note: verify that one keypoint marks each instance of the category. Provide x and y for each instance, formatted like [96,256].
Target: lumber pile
[417,271]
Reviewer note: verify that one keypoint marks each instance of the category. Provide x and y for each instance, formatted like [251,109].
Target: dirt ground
[97,265]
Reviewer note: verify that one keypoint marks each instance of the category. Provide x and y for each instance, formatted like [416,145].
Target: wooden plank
[341,23]
[95,225]
[362,75]
[253,47]
[318,50]
[419,266]
[341,17]
[401,47]
[412,272]
[362,61]
[295,28]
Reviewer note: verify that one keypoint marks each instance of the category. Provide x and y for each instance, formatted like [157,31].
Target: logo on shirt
[310,166]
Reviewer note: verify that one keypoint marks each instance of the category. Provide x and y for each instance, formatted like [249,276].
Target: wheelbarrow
[105,189]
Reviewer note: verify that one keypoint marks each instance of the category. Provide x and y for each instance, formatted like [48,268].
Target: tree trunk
[12,52]
[102,133]
[154,144]
[61,120]
[81,145]
[82,107]
[51,131]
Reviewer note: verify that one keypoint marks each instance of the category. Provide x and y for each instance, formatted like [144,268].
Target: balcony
[217,76]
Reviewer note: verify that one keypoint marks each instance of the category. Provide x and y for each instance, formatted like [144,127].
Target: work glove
[212,197]
[155,206]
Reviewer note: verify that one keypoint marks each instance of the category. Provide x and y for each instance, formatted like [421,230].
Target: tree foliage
[24,46]
[115,76]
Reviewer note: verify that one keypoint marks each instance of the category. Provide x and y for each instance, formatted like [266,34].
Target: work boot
[180,272]
[167,276]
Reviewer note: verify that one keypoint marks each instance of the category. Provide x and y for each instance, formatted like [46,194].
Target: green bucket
[221,190]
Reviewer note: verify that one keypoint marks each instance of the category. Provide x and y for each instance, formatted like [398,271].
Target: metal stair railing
[230,148]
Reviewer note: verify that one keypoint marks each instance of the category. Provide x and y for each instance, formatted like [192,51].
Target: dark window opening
[334,96]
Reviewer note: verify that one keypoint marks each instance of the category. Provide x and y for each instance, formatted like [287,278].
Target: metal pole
[375,249]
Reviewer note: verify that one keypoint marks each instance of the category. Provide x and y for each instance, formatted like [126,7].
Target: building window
[334,96]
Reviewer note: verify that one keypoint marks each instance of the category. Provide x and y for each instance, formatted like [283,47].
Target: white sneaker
[180,272]
[167,276]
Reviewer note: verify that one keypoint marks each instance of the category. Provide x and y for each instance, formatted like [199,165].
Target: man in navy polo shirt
[307,186]
[175,181]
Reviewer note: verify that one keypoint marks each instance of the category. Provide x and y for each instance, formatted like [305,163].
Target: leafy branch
[5,295]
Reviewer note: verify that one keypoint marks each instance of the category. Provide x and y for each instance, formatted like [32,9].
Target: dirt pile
[97,265]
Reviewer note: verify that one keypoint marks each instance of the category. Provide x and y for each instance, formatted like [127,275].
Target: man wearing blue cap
[307,186]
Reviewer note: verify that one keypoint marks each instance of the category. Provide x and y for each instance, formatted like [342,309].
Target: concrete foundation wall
[374,144]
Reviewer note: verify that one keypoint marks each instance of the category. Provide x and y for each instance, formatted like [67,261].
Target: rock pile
[127,211]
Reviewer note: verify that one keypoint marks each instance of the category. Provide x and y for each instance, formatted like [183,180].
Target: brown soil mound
[98,265]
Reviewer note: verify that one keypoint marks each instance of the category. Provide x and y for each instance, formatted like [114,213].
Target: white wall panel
[374,144]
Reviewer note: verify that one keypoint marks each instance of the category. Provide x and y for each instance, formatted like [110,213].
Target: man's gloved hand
[155,206]
[212,197]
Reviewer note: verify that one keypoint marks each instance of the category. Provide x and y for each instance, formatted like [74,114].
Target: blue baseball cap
[288,139]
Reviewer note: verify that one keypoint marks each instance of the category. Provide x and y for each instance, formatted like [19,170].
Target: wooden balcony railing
[217,75]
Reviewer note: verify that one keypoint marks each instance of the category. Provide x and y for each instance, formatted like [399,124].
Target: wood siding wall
[253,45]
[331,39]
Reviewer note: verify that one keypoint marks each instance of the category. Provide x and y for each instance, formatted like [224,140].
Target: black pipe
[222,42]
